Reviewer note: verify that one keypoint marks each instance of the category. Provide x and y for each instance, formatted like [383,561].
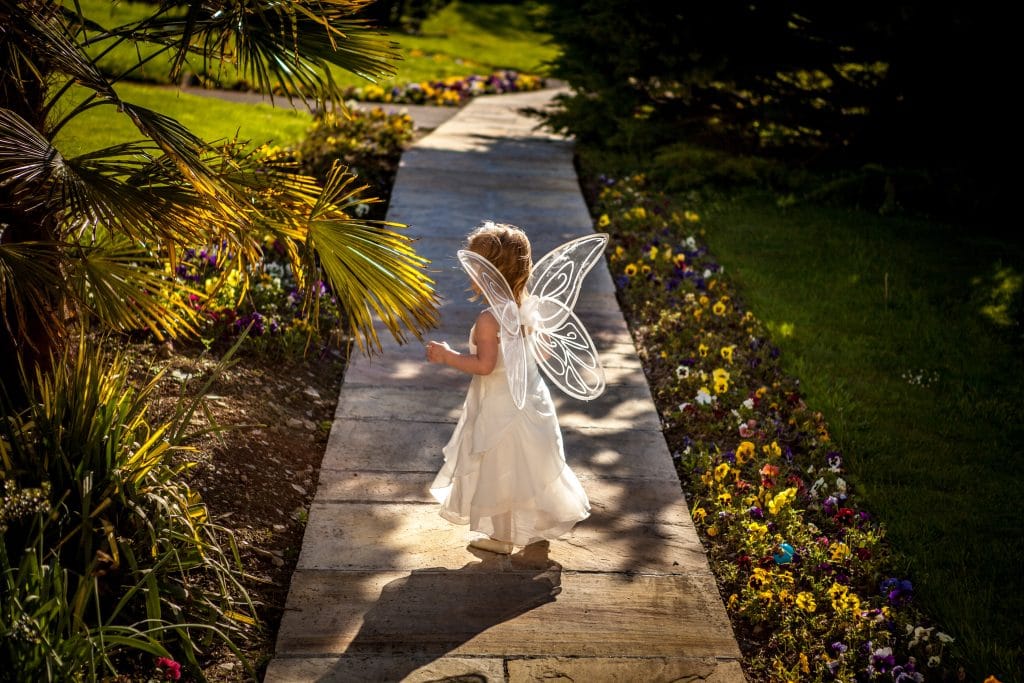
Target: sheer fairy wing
[568,356]
[503,305]
[558,276]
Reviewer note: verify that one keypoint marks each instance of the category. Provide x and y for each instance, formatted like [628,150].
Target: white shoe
[490,545]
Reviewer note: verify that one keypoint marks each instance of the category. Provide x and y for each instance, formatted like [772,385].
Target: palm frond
[128,288]
[277,45]
[102,188]
[372,269]
[30,284]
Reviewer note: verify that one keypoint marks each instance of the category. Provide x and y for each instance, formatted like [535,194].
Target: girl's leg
[501,540]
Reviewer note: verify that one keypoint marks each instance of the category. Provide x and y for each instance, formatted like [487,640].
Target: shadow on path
[431,612]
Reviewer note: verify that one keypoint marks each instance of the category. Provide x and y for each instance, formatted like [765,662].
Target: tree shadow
[421,617]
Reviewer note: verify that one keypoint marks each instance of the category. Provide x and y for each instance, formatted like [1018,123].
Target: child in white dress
[504,473]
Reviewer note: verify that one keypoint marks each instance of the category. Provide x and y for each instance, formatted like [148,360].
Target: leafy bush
[369,142]
[105,549]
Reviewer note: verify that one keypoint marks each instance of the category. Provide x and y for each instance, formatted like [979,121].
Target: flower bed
[451,91]
[804,571]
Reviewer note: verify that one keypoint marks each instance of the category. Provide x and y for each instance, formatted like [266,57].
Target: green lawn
[860,305]
[461,39]
[208,118]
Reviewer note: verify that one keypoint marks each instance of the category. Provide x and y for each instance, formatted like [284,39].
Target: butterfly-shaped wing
[503,305]
[568,356]
[558,277]
[560,343]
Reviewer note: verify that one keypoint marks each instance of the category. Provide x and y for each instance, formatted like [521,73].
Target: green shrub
[113,551]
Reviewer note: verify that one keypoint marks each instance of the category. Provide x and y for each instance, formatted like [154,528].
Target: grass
[857,302]
[209,118]
[461,39]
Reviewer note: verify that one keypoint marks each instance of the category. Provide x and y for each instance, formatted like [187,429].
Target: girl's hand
[438,351]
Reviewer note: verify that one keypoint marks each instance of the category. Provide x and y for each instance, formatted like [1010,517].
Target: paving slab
[359,445]
[482,610]
[385,589]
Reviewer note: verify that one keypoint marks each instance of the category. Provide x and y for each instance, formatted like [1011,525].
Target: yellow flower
[697,312]
[619,252]
[718,308]
[725,498]
[779,502]
[772,450]
[720,374]
[691,216]
[765,596]
[721,386]
[805,601]
[712,531]
[699,515]
[721,471]
[757,528]
[702,350]
[680,260]
[653,253]
[840,551]
[630,269]
[604,221]
[761,392]
[734,601]
[805,665]
[704,301]
[726,352]
[744,452]
[645,269]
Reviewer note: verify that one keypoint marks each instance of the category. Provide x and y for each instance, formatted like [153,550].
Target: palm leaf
[103,188]
[372,269]
[283,44]
[30,283]
[128,288]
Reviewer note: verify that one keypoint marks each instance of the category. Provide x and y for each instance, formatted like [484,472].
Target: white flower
[920,633]
[934,661]
[691,242]
[840,485]
[944,638]
[683,371]
[819,484]
[749,404]
[707,273]
[704,398]
[683,407]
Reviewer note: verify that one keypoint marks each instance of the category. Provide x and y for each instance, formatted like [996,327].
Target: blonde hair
[508,249]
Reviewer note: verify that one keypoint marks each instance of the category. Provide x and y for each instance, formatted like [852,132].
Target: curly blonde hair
[508,249]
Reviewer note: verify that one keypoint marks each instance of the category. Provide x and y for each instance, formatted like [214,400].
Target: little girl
[504,472]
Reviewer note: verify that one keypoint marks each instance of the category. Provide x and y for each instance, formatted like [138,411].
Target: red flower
[171,669]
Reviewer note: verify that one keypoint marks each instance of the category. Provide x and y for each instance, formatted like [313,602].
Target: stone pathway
[386,590]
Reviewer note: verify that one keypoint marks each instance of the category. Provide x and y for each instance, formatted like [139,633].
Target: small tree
[98,235]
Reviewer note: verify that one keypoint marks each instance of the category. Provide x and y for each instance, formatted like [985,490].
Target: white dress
[505,473]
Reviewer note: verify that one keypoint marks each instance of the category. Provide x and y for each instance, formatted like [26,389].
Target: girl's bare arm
[483,361]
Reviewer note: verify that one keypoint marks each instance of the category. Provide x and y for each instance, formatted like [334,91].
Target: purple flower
[839,647]
[882,659]
[756,512]
[829,505]
[898,591]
